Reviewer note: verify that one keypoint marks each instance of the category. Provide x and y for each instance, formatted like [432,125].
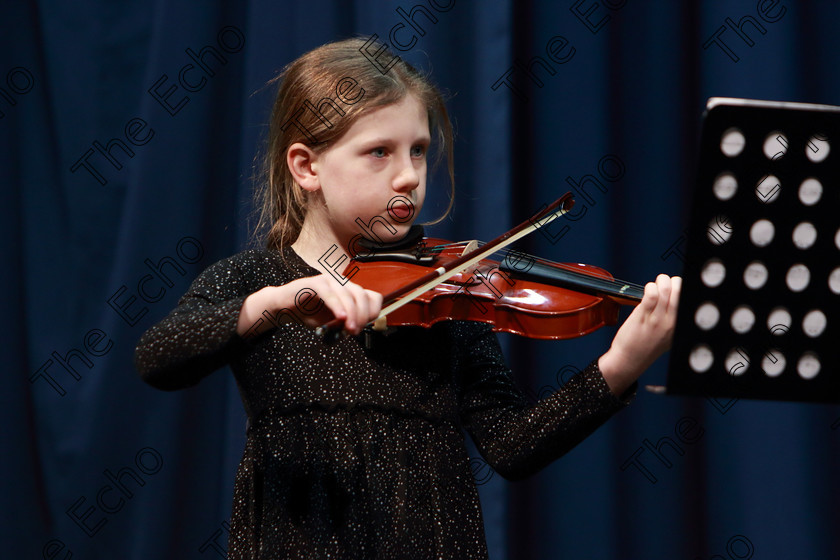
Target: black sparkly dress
[357,452]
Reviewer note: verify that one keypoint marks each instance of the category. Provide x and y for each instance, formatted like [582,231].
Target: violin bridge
[470,246]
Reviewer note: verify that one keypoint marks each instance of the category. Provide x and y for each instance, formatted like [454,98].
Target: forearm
[258,313]
[521,441]
[188,345]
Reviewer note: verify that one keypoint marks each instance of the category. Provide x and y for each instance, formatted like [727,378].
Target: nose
[408,177]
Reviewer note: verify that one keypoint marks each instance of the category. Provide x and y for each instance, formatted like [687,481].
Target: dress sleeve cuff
[593,375]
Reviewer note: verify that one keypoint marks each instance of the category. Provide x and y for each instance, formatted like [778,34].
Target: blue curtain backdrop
[616,98]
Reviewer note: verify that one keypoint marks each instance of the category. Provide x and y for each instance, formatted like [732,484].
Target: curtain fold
[128,136]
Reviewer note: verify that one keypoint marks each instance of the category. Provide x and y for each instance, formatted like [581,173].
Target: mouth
[401,209]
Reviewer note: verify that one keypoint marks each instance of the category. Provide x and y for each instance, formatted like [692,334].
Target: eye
[378,152]
[418,151]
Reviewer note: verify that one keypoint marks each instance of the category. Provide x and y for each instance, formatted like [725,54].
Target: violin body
[491,292]
[425,280]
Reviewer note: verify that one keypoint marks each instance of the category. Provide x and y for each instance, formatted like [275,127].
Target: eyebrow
[383,141]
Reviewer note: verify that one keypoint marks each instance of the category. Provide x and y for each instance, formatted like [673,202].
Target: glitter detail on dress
[356,452]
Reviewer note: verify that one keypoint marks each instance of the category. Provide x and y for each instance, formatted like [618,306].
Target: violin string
[562,266]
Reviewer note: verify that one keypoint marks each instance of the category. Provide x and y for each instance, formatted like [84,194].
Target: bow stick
[405,294]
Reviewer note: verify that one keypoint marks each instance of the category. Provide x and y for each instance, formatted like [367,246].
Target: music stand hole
[742,319]
[808,366]
[773,363]
[755,275]
[834,281]
[707,316]
[762,233]
[701,358]
[810,191]
[725,186]
[732,142]
[779,321]
[767,190]
[775,145]
[817,148]
[804,235]
[713,273]
[814,323]
[798,277]
[736,362]
[719,230]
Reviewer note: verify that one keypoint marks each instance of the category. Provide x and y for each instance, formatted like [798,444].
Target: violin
[427,280]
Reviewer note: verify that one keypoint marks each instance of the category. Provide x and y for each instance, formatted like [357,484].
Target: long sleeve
[518,438]
[199,336]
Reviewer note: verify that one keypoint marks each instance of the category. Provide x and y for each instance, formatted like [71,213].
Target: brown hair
[311,78]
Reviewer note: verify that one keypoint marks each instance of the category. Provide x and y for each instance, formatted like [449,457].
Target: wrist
[614,368]
[263,300]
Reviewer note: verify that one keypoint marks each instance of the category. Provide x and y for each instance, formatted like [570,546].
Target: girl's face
[376,172]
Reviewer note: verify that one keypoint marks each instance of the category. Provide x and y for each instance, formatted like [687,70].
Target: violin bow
[405,294]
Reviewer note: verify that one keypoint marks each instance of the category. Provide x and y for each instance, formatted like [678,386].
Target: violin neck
[622,292]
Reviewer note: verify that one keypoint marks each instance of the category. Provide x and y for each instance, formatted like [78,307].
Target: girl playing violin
[357,451]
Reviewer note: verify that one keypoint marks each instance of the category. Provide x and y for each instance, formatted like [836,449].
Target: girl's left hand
[644,336]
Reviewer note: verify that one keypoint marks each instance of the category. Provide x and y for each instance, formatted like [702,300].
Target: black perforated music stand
[758,312]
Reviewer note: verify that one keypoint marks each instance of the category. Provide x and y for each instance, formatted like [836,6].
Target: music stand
[758,311]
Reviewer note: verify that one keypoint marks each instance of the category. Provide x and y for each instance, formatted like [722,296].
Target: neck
[316,244]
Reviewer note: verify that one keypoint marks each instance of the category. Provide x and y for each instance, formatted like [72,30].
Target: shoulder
[251,270]
[251,261]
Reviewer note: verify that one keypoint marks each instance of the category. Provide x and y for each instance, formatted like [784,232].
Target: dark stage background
[755,479]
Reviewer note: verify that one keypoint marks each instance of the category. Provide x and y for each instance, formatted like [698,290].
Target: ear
[302,162]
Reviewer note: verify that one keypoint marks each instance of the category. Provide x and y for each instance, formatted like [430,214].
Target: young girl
[356,450]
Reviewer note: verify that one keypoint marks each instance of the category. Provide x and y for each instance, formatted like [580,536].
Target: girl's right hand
[314,301]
